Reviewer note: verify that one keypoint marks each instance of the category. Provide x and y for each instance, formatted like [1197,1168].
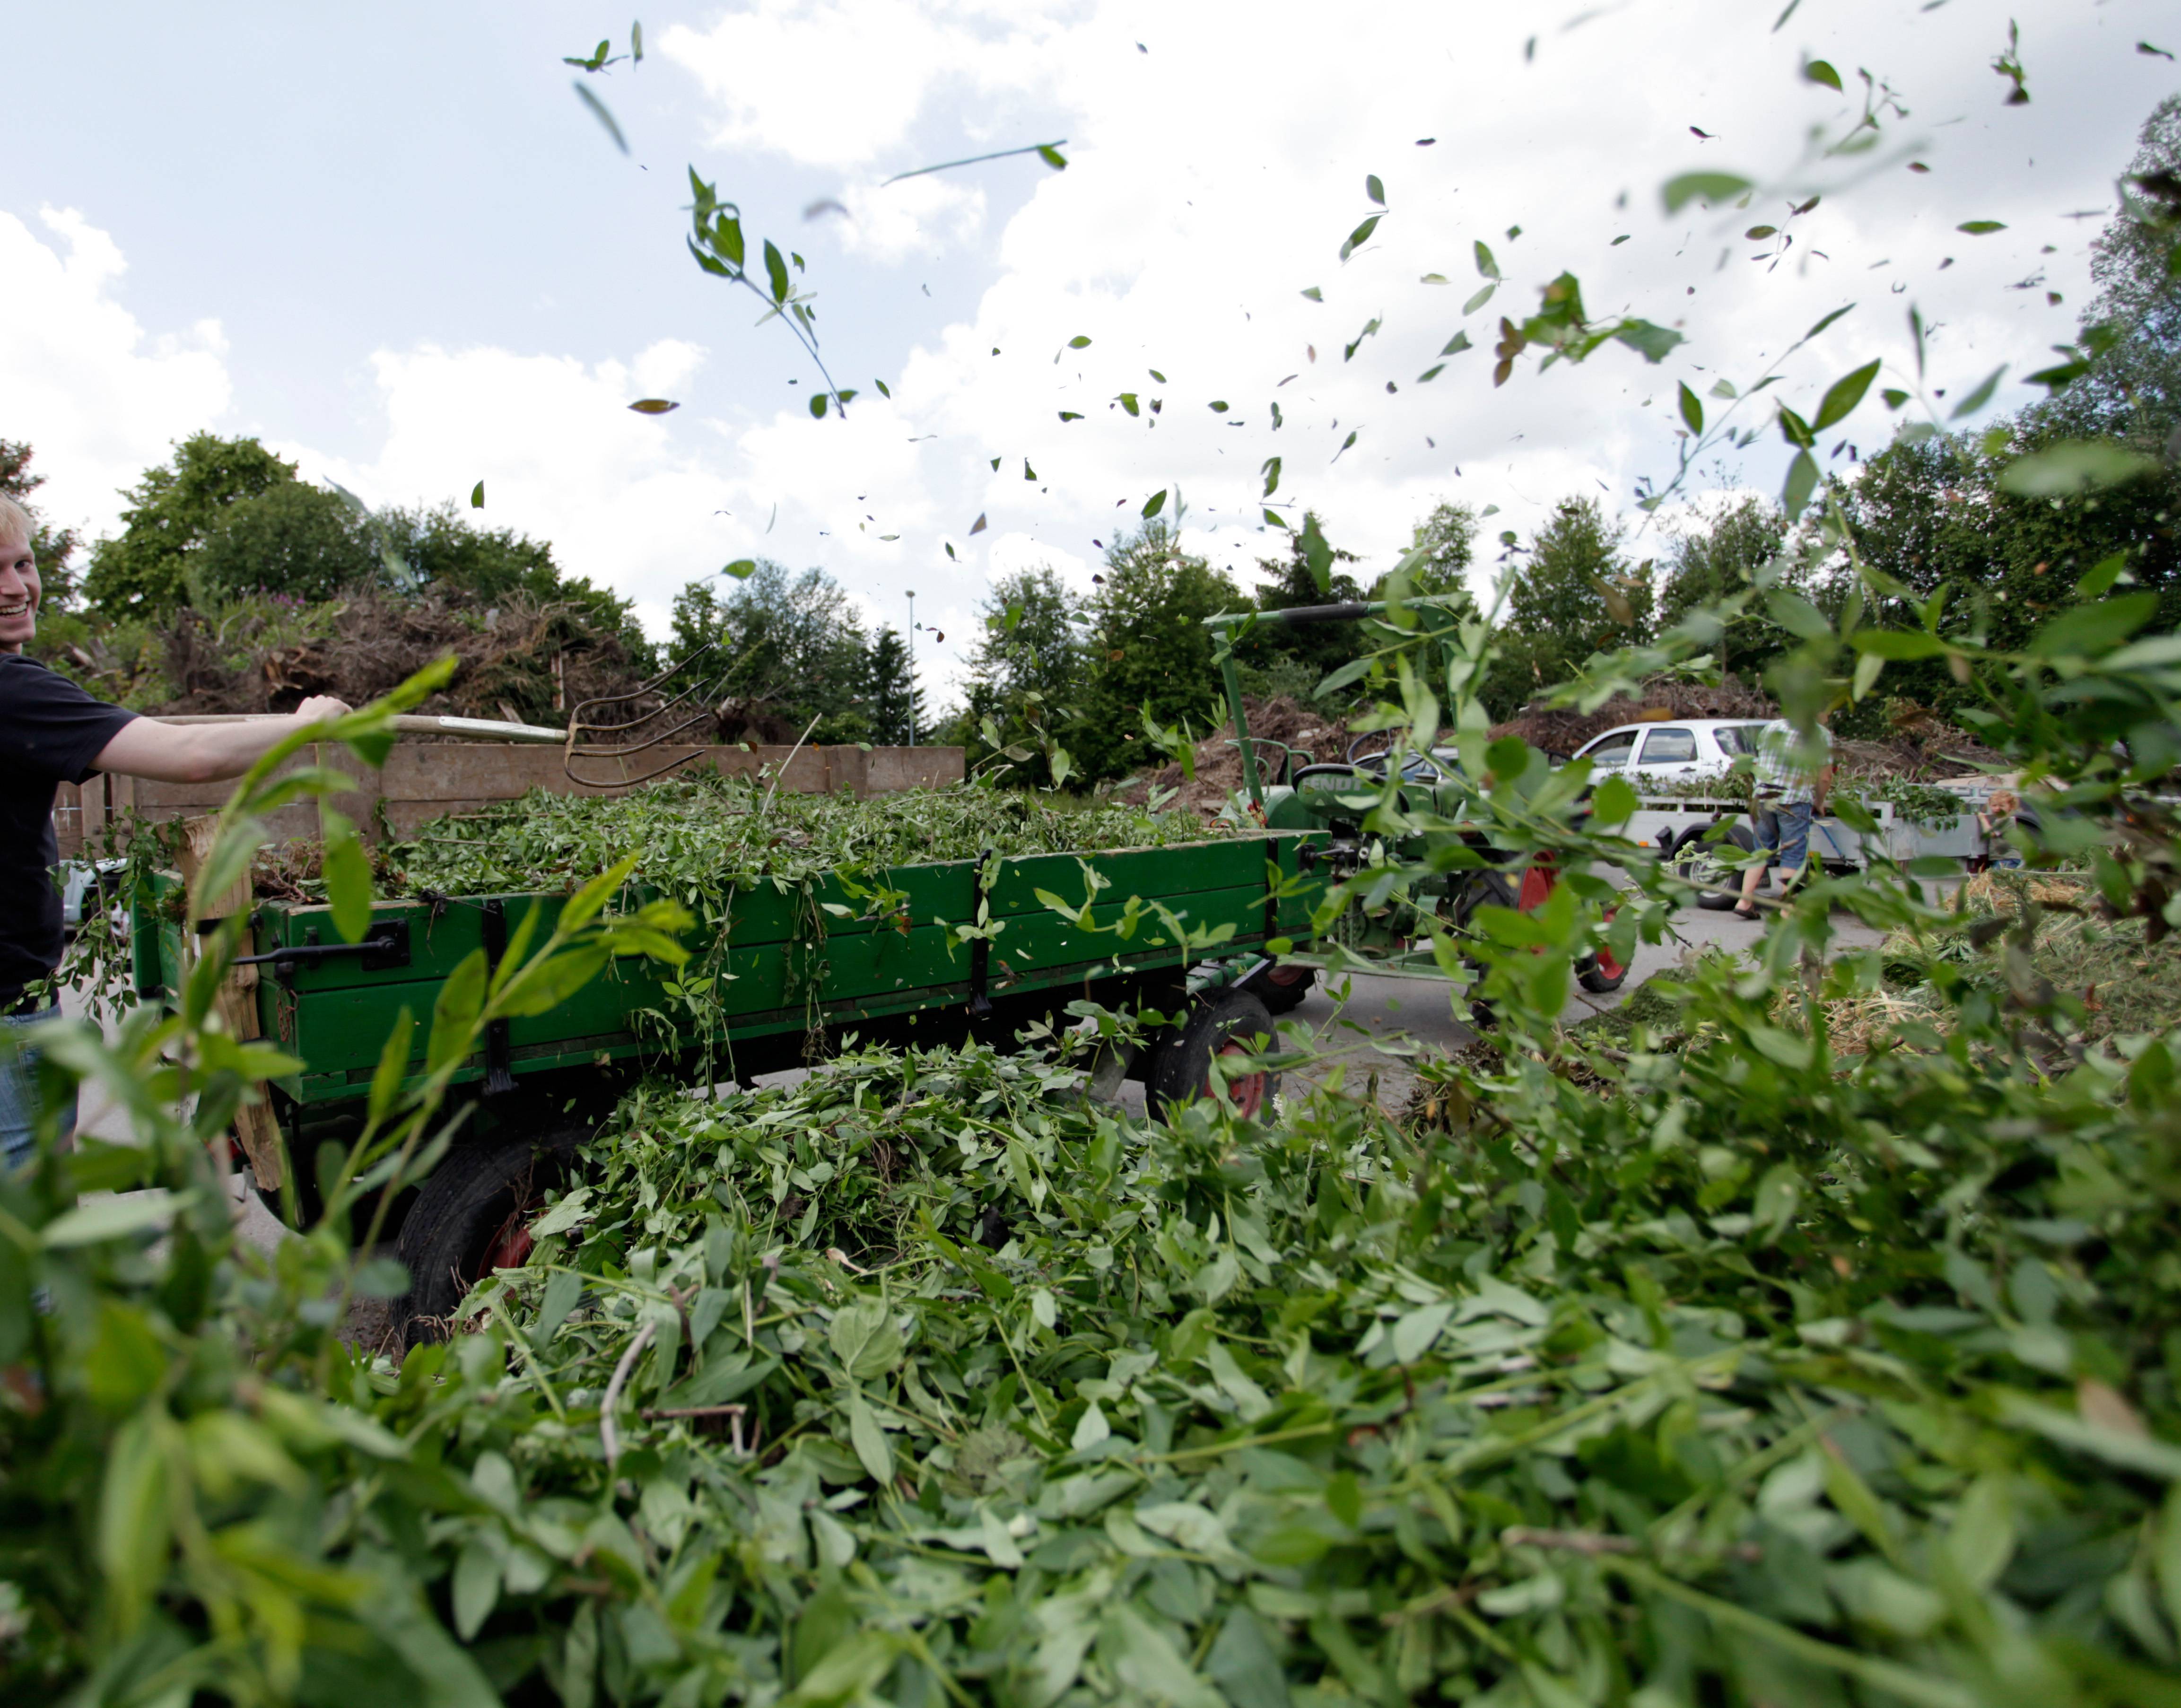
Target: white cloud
[96,397]
[840,85]
[563,458]
[1214,175]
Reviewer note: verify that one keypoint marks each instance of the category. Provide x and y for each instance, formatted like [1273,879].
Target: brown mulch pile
[523,662]
[1565,731]
[1320,736]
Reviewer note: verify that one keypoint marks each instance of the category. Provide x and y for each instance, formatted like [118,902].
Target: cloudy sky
[394,244]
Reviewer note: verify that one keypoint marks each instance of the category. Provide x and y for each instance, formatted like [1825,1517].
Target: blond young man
[52,732]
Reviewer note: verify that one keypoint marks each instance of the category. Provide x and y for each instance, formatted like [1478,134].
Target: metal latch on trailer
[384,946]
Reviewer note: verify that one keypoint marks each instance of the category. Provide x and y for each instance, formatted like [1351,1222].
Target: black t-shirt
[51,731]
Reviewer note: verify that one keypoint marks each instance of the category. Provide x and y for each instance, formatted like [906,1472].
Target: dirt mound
[1563,732]
[523,661]
[1312,734]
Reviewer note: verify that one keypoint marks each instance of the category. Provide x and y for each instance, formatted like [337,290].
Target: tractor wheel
[472,1217]
[1283,985]
[1230,1023]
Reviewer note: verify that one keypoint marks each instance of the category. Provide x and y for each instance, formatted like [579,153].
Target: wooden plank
[236,1001]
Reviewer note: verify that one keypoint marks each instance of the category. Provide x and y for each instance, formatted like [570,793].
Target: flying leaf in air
[653,406]
[1818,71]
[1707,187]
[598,111]
[1271,471]
[1155,504]
[740,569]
[1980,227]
[476,496]
[977,525]
[1360,235]
[1314,295]
[818,405]
[1373,189]
[1344,443]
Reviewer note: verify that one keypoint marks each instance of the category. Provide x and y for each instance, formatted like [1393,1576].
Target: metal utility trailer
[1682,829]
[791,974]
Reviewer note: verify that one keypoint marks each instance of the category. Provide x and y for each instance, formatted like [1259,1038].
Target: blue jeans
[18,1091]
[1784,829]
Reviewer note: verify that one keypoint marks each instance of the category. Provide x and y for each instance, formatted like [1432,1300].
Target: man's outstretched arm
[204,752]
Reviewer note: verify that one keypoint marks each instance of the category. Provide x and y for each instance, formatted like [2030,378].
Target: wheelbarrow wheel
[470,1217]
[1229,1024]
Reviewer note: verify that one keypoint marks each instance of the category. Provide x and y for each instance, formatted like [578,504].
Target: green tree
[893,704]
[790,648]
[144,570]
[1931,513]
[1449,534]
[1575,595]
[294,539]
[1719,556]
[2133,389]
[51,547]
[1027,670]
[1149,648]
[1309,653]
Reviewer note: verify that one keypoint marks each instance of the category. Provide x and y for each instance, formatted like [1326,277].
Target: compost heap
[523,661]
[1312,733]
[702,831]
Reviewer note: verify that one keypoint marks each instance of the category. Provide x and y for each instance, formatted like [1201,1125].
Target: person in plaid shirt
[1791,778]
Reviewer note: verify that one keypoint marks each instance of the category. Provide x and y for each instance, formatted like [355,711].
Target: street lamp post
[912,668]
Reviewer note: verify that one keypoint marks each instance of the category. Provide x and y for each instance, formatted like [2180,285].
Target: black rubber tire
[1282,986]
[1687,865]
[1181,1066]
[457,1212]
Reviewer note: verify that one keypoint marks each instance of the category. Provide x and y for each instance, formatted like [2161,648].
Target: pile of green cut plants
[704,832]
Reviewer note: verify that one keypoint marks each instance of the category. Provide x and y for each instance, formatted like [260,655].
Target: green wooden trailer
[795,974]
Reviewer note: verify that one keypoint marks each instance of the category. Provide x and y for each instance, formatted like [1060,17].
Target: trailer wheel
[472,1217]
[1223,1025]
[1699,864]
[1283,985]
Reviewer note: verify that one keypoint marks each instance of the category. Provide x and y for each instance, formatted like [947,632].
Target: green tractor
[1430,883]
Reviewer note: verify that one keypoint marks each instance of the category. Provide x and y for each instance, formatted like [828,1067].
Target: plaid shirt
[1779,771]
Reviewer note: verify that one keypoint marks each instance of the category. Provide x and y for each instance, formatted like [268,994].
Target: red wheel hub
[1608,963]
[511,1247]
[1246,1092]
